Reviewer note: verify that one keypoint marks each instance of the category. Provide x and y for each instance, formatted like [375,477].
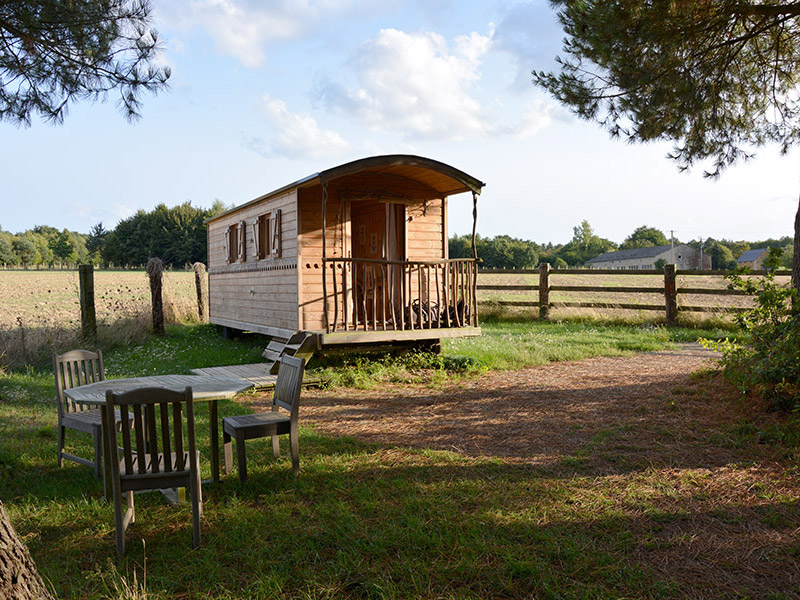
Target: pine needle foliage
[53,52]
[717,77]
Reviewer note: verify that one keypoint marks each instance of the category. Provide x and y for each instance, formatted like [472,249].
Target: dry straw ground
[639,439]
[40,310]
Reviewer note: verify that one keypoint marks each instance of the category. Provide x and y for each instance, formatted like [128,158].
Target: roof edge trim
[469,182]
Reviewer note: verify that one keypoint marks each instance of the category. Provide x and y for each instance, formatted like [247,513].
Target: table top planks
[204,387]
[258,374]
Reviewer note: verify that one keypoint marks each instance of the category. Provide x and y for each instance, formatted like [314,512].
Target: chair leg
[119,526]
[197,509]
[227,451]
[198,493]
[295,446]
[98,451]
[61,431]
[241,459]
[131,510]
[276,446]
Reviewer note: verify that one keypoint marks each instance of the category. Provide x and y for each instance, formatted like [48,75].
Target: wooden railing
[386,295]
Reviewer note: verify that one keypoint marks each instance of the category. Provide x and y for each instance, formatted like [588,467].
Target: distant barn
[753,258]
[378,271]
[682,256]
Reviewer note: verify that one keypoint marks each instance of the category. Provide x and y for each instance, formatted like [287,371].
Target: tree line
[176,235]
[505,252]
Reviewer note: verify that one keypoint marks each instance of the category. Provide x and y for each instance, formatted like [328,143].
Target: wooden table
[204,389]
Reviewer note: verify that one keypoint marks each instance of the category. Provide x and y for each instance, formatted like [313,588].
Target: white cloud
[535,118]
[245,28]
[413,83]
[416,85]
[296,135]
[529,34]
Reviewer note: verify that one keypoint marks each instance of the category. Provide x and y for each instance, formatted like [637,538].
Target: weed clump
[366,370]
[768,361]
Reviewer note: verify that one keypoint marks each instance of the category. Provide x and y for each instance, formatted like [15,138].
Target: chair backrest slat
[152,436]
[74,368]
[126,438]
[165,437]
[177,418]
[71,374]
[138,428]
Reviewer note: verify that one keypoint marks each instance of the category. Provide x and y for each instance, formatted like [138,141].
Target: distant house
[684,257]
[753,258]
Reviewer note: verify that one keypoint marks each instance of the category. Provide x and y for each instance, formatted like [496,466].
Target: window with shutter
[231,243]
[261,229]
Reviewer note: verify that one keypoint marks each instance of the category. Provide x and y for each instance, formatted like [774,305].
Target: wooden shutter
[257,237]
[276,232]
[228,245]
[242,241]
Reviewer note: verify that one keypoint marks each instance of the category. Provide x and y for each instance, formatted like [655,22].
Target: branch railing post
[670,294]
[544,291]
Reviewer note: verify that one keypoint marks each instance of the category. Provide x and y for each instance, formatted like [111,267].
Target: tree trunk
[796,257]
[19,577]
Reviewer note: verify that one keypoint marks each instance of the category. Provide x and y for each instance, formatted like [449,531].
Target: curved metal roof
[438,177]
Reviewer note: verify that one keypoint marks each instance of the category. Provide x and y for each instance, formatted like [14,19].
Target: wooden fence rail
[671,292]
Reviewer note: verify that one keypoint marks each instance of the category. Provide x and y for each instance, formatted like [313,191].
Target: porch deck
[338,338]
[387,300]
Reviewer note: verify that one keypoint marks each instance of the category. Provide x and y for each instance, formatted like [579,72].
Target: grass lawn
[382,521]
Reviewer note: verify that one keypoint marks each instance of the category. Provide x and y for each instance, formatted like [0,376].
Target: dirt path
[537,415]
[647,433]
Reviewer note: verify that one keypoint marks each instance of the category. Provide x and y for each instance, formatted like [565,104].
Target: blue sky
[266,92]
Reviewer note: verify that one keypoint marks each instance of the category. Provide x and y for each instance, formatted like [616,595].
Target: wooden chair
[156,458]
[71,369]
[275,423]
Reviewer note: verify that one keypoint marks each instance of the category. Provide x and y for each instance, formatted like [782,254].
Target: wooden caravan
[377,270]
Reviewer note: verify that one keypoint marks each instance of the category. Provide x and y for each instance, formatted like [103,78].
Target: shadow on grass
[372,521]
[605,498]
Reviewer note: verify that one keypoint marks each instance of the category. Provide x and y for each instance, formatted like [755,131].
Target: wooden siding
[425,240]
[424,232]
[258,292]
[337,238]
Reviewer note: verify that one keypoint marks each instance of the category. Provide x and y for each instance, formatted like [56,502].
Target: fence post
[544,291]
[201,285]
[88,316]
[670,294]
[155,269]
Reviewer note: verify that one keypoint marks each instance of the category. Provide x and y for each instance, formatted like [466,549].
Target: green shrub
[768,362]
